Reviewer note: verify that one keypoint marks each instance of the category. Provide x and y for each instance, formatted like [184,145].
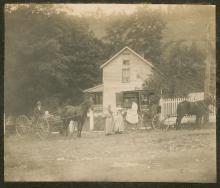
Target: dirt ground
[142,155]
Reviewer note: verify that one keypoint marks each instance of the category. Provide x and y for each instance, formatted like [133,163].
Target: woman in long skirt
[109,124]
[119,122]
[132,114]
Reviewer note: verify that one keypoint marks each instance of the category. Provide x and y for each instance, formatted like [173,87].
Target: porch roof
[139,90]
[95,89]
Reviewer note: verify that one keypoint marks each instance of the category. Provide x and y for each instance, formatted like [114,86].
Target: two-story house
[123,74]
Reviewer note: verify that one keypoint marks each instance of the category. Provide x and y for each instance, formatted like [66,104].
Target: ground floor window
[97,98]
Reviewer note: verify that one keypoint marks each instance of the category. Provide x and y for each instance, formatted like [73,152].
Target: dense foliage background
[51,55]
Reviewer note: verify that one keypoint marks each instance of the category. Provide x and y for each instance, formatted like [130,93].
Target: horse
[198,108]
[75,113]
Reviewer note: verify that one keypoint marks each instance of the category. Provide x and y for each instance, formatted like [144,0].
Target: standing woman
[132,114]
[119,122]
[109,123]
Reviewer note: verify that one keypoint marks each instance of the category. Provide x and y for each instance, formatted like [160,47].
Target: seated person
[38,112]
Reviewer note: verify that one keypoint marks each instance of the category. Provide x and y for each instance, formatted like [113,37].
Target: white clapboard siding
[169,106]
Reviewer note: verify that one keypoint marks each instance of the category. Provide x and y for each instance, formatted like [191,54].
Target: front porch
[123,99]
[96,93]
[96,121]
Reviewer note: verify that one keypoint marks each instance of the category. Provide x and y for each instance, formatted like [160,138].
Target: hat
[119,108]
[38,103]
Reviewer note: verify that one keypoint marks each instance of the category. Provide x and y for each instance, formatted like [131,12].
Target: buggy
[148,109]
[42,127]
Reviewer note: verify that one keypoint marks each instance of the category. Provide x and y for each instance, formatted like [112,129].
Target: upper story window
[126,63]
[126,71]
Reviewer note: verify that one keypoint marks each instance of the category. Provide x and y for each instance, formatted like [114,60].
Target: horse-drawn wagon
[47,123]
[42,127]
[148,108]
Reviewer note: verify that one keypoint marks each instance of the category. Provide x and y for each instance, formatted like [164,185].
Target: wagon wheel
[164,126]
[23,126]
[155,123]
[42,127]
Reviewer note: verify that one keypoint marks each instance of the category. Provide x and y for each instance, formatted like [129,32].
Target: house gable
[138,69]
[125,51]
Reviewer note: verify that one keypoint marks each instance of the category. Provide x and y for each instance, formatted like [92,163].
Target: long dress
[119,123]
[109,124]
[132,115]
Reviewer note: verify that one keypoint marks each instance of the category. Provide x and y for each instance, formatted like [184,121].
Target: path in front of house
[144,155]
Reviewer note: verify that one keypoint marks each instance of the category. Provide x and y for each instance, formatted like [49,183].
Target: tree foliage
[47,54]
[51,55]
[141,31]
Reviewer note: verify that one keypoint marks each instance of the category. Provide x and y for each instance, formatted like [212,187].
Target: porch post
[4,123]
[91,120]
[161,108]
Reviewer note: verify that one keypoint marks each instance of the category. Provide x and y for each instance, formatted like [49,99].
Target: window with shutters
[126,75]
[126,71]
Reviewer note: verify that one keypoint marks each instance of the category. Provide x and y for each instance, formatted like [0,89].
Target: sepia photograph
[110,93]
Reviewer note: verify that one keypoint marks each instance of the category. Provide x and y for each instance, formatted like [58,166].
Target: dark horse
[75,113]
[198,108]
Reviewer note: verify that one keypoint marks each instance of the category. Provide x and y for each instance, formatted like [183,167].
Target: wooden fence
[169,106]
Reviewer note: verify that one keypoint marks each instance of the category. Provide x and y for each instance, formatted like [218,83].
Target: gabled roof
[139,56]
[98,88]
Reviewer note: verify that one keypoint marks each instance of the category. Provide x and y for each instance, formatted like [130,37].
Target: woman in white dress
[132,114]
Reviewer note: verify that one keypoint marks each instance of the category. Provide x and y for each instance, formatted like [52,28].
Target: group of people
[115,121]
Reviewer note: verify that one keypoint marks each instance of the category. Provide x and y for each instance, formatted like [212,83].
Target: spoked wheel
[155,123]
[165,126]
[23,126]
[42,128]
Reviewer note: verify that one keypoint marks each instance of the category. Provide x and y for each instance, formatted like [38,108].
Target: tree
[156,83]
[47,53]
[184,69]
[142,31]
